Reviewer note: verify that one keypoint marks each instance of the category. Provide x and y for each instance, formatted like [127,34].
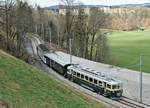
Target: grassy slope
[127,46]
[23,86]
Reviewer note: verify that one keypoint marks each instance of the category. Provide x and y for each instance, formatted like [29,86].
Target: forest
[88,33]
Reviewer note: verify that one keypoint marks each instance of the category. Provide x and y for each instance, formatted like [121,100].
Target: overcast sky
[45,3]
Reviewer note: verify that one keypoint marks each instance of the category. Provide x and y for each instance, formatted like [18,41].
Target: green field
[126,47]
[23,86]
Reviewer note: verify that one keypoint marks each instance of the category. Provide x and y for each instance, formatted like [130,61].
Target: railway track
[148,105]
[132,104]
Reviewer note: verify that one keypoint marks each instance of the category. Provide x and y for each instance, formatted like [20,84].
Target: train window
[86,77]
[91,79]
[78,74]
[74,73]
[95,81]
[100,82]
[108,86]
[82,76]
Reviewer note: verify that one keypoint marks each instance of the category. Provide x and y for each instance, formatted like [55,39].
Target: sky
[46,3]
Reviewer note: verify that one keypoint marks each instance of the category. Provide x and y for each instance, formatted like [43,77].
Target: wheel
[65,75]
[71,79]
[100,93]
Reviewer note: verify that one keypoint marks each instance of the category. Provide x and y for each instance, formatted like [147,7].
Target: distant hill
[83,6]
[134,5]
[23,86]
[90,6]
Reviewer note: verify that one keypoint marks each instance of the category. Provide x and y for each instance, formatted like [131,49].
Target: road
[129,77]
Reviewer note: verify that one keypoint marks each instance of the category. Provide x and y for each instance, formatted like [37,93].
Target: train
[89,78]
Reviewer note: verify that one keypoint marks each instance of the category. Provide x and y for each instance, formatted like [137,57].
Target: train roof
[43,47]
[94,74]
[57,58]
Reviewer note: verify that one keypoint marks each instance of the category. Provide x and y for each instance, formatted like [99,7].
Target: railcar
[57,63]
[95,81]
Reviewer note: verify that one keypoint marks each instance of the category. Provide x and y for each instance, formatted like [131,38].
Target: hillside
[126,48]
[99,6]
[23,86]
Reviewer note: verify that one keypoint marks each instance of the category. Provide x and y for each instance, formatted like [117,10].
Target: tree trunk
[86,47]
[92,45]
[6,13]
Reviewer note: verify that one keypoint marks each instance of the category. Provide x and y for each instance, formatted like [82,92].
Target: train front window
[115,87]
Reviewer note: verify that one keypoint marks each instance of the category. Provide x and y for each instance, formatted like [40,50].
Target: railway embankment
[22,85]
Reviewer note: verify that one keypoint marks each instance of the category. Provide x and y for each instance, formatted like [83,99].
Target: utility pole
[70,50]
[50,36]
[50,32]
[70,42]
[36,29]
[42,31]
[141,67]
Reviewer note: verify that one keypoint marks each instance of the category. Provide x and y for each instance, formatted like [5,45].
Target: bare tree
[79,32]
[97,20]
[23,22]
[102,53]
[69,20]
[9,4]
[60,24]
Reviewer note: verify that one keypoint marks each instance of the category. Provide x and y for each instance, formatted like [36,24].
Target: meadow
[127,46]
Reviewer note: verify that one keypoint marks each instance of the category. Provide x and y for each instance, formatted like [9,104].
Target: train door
[50,63]
[47,61]
[105,85]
